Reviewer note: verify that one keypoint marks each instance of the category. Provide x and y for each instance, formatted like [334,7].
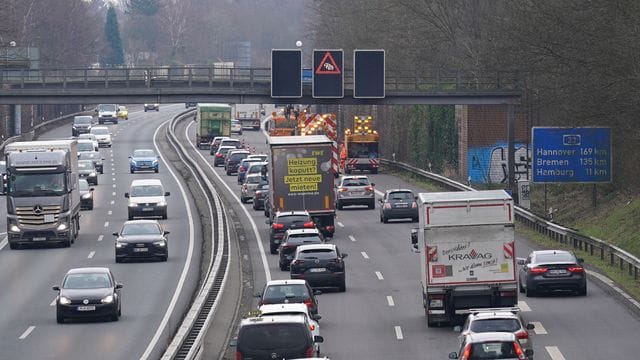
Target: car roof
[279,308]
[226,147]
[493,315]
[138,182]
[253,175]
[85,141]
[81,136]
[85,161]
[490,336]
[88,270]
[85,180]
[355,177]
[303,231]
[286,282]
[279,319]
[134,150]
[230,139]
[241,151]
[551,252]
[316,247]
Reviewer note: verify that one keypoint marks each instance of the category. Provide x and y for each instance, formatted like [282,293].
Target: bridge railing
[609,253]
[397,80]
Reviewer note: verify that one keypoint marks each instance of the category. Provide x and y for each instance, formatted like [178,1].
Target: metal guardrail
[594,246]
[187,343]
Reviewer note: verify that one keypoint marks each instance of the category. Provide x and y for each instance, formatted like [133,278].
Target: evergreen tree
[114,50]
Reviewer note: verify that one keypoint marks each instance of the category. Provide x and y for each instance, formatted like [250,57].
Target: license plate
[317,270]
[557,272]
[357,193]
[140,249]
[87,308]
[39,239]
[147,209]
[48,218]
[401,205]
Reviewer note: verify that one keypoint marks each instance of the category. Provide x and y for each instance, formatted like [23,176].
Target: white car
[103,135]
[147,199]
[293,309]
[91,137]
[236,127]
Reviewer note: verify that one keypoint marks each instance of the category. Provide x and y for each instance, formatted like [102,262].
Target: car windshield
[99,131]
[302,239]
[82,120]
[272,336]
[108,107]
[255,169]
[493,350]
[146,190]
[88,155]
[85,165]
[87,281]
[355,182]
[83,185]
[233,143]
[144,153]
[322,254]
[401,196]
[254,179]
[560,257]
[278,293]
[141,229]
[85,146]
[500,325]
[239,156]
[223,150]
[50,184]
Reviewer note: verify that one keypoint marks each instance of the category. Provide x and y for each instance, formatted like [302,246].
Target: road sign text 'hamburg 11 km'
[571,155]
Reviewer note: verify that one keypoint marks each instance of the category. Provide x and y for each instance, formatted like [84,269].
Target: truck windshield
[107,107]
[26,185]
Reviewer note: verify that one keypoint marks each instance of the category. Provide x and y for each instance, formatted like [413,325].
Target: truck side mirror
[167,193]
[414,240]
[126,195]
[520,261]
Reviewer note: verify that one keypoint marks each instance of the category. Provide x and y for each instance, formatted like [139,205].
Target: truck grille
[34,215]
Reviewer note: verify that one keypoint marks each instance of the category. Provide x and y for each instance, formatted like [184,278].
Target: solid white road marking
[538,328]
[91,254]
[26,332]
[340,224]
[100,237]
[390,301]
[523,306]
[364,255]
[379,275]
[352,238]
[398,330]
[3,243]
[554,353]
[106,224]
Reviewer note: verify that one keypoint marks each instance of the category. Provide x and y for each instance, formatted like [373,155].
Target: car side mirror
[318,339]
[344,255]
[115,233]
[372,184]
[580,260]
[56,288]
[167,232]
[233,342]
[126,195]
[457,328]
[316,317]
[528,352]
[129,156]
[317,292]
[453,355]
[257,295]
[520,261]
[530,326]
[91,189]
[119,286]
[166,193]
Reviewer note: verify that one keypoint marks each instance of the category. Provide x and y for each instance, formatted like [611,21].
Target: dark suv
[232,162]
[321,265]
[81,125]
[283,221]
[292,239]
[275,337]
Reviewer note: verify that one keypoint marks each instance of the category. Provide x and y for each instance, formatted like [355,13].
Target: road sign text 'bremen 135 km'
[286,73]
[579,155]
[369,76]
[328,77]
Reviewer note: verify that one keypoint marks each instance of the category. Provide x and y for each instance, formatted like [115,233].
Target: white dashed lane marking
[554,353]
[538,328]
[91,254]
[100,237]
[379,275]
[352,238]
[523,306]
[390,301]
[26,332]
[114,185]
[398,330]
[112,202]
[106,224]
[340,224]
[364,255]
[109,212]
[113,193]
[53,303]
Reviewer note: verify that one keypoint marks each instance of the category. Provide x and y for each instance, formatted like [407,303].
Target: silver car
[355,190]
[248,190]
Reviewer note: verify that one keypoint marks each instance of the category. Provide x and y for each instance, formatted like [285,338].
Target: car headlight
[92,174]
[162,203]
[132,204]
[107,299]
[86,196]
[161,243]
[14,228]
[120,244]
[154,162]
[62,227]
[64,301]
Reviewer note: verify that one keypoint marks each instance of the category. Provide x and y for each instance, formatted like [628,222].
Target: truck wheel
[130,217]
[164,216]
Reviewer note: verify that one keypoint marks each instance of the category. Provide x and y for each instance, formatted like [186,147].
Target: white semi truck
[466,242]
[43,199]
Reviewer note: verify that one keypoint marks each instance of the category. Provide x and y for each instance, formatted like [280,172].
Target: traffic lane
[148,304]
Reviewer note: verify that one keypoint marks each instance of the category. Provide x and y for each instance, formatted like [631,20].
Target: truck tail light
[277,226]
[507,294]
[538,270]
[309,224]
[576,269]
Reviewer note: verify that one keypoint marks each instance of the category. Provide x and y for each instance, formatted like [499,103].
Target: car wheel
[119,260]
[115,317]
[66,243]
[228,173]
[155,171]
[130,217]
[339,205]
[59,318]
[273,249]
[583,290]
[529,292]
[343,286]
[157,109]
[381,218]
[145,109]
[102,171]
[90,206]
[164,216]
[385,220]
[520,288]
[131,170]
[283,267]
[164,258]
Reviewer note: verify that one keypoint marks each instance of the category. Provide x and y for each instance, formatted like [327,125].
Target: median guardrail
[594,246]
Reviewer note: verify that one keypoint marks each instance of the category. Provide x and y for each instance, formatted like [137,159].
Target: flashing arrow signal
[328,66]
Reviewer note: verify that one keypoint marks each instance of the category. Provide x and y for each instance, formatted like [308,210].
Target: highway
[381,314]
[154,293]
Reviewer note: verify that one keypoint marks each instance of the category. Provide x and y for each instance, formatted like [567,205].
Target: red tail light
[241,169]
[238,355]
[277,226]
[218,155]
[330,228]
[414,205]
[466,353]
[387,206]
[308,302]
[538,270]
[342,189]
[337,260]
[519,352]
[309,352]
[297,262]
[576,269]
[369,188]
[522,335]
[309,224]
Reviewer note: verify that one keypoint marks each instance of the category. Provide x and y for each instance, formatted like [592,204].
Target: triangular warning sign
[328,65]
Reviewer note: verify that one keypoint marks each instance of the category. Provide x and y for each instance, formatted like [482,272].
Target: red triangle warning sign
[328,65]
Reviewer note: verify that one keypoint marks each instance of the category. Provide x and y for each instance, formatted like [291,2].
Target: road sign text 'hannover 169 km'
[328,77]
[286,73]
[578,155]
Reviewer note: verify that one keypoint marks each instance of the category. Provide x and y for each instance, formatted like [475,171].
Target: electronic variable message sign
[286,73]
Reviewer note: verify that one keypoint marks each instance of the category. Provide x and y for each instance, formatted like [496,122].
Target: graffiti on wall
[488,164]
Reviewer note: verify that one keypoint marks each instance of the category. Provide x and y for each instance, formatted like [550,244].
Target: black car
[261,193]
[233,159]
[3,177]
[290,291]
[81,125]
[220,155]
[86,194]
[292,239]
[141,239]
[88,171]
[398,204]
[94,156]
[283,221]
[321,265]
[88,293]
[548,270]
